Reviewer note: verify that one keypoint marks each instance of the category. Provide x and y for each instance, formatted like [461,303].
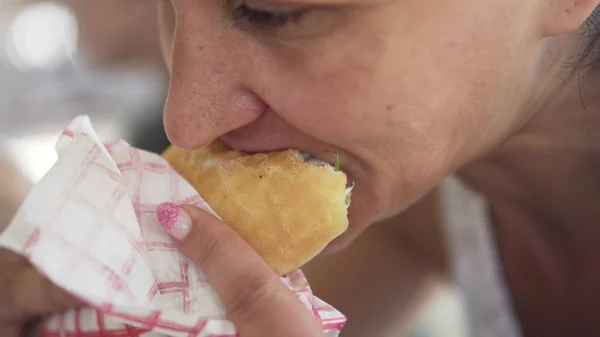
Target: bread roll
[286,207]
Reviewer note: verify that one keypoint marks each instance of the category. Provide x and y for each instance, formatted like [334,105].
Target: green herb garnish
[348,191]
[348,194]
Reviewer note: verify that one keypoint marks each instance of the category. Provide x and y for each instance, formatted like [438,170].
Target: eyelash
[266,18]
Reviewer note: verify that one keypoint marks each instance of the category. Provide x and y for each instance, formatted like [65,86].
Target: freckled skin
[408,92]
[405,91]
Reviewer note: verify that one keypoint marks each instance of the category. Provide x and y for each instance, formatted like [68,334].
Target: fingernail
[174,220]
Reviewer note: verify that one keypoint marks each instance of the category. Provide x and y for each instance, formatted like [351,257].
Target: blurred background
[101,58]
[60,59]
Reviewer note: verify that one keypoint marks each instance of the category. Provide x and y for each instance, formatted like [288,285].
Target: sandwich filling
[336,167]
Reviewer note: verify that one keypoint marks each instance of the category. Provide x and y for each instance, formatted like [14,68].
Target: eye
[263,17]
[286,20]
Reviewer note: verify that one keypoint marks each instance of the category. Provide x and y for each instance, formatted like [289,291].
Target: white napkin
[90,226]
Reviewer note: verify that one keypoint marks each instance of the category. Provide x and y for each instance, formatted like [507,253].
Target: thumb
[256,300]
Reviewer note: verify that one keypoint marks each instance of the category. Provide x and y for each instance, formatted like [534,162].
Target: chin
[342,242]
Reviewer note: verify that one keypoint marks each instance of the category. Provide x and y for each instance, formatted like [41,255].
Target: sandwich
[287,205]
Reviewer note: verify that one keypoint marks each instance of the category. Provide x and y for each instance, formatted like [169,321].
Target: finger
[33,328]
[26,294]
[256,300]
[9,260]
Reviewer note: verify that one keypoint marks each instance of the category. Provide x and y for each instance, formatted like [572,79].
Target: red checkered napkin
[90,226]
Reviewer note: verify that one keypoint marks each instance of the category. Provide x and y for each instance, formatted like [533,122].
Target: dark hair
[589,58]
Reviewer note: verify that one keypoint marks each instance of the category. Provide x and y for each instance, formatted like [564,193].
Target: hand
[256,300]
[25,296]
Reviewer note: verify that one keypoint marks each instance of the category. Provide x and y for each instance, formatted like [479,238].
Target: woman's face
[407,91]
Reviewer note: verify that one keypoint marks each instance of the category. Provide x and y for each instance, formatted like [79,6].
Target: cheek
[412,112]
[361,102]
[372,90]
[424,99]
[321,98]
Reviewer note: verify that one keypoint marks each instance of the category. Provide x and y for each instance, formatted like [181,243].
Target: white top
[475,263]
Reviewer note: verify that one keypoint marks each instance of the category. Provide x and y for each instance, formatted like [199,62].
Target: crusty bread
[287,209]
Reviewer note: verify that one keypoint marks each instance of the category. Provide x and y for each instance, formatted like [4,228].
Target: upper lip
[266,149]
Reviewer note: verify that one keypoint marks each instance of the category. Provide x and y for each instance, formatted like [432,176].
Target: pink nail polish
[174,220]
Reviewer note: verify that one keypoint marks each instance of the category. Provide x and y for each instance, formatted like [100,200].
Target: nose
[207,96]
